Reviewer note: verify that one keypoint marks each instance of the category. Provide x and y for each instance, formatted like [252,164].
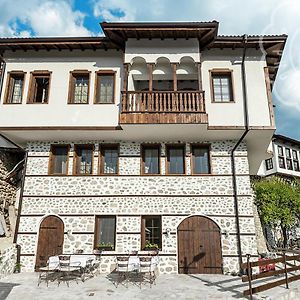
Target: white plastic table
[75,260]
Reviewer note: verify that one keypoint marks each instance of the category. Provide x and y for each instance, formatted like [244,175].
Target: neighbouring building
[146,135]
[284,155]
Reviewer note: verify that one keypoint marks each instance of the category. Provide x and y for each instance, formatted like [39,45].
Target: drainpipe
[21,197]
[3,63]
[234,179]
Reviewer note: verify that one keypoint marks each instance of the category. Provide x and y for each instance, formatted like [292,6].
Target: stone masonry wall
[7,189]
[129,196]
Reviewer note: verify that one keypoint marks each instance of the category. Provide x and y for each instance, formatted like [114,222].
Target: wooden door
[199,246]
[51,239]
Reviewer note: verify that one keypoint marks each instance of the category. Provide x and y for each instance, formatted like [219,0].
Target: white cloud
[44,18]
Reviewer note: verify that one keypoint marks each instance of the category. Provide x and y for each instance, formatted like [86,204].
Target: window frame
[168,146]
[101,158]
[222,72]
[281,155]
[51,156]
[72,80]
[142,163]
[75,159]
[98,74]
[32,90]
[9,88]
[208,147]
[143,232]
[266,164]
[97,230]
[295,158]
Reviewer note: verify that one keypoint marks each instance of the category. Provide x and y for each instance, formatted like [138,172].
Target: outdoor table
[75,260]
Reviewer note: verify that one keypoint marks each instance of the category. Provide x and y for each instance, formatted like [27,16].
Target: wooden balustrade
[163,102]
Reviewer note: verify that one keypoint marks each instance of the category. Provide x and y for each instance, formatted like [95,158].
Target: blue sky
[82,17]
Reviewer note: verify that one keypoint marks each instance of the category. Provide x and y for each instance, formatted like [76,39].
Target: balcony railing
[163,102]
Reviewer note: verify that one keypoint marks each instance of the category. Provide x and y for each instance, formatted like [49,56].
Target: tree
[278,203]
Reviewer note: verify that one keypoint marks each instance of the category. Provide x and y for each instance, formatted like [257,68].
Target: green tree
[278,203]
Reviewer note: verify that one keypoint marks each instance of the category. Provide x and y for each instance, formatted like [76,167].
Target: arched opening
[199,246]
[187,75]
[50,240]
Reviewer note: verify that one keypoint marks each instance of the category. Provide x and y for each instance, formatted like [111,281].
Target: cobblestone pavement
[24,286]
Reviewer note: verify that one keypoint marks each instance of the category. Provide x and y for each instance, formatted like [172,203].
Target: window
[280,150]
[281,157]
[79,87]
[83,159]
[105,229]
[39,87]
[15,87]
[269,164]
[281,162]
[109,161]
[295,155]
[150,159]
[295,160]
[59,156]
[200,159]
[105,87]
[151,230]
[222,90]
[175,159]
[289,164]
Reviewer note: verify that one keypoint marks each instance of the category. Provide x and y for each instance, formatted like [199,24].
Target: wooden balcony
[160,107]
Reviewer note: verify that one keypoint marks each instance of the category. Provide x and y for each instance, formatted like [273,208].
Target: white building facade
[284,158]
[146,137]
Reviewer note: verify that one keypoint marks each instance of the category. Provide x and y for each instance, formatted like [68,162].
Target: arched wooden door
[51,239]
[199,246]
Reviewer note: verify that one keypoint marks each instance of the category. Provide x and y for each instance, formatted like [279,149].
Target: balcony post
[199,76]
[125,79]
[150,71]
[174,68]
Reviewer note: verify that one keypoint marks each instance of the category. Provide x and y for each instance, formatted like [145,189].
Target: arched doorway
[199,246]
[51,239]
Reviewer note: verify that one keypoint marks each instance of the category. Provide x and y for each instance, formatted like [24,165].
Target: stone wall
[8,259]
[129,196]
[7,189]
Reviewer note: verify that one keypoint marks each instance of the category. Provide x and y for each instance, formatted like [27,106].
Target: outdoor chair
[88,269]
[123,269]
[67,271]
[47,273]
[147,270]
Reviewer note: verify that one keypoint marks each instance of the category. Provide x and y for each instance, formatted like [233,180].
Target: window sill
[8,103]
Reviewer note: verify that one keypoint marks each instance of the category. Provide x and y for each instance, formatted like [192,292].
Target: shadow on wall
[5,289]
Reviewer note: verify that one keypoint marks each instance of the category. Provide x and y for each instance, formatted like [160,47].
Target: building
[147,135]
[284,158]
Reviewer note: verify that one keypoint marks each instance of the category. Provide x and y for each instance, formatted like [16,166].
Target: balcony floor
[163,118]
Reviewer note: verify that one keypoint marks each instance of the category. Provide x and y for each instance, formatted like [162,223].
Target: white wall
[172,49]
[232,114]
[57,112]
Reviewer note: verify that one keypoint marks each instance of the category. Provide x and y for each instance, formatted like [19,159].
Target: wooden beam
[150,70]
[125,79]
[199,76]
[174,68]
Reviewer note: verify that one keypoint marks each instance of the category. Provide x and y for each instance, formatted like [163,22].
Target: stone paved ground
[24,286]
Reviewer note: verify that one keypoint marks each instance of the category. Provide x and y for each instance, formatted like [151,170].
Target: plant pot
[105,248]
[151,249]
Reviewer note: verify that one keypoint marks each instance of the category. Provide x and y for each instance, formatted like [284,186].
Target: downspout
[234,179]
[3,67]
[21,197]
